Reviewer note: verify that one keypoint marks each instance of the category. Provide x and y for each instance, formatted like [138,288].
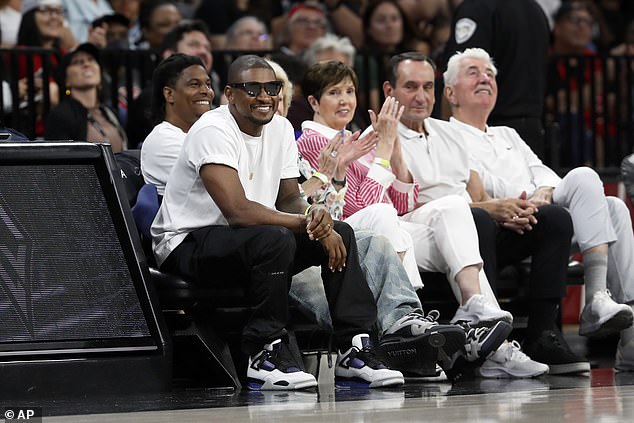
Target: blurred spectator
[10,17]
[116,30]
[345,17]
[219,15]
[611,17]
[299,108]
[516,35]
[572,31]
[549,7]
[188,37]
[248,33]
[626,48]
[387,29]
[430,23]
[129,9]
[330,47]
[156,18]
[575,86]
[41,26]
[306,22]
[80,13]
[81,116]
[286,94]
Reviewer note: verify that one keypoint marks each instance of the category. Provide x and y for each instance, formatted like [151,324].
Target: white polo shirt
[506,164]
[439,161]
[215,138]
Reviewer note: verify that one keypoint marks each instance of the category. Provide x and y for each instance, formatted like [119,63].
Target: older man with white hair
[602,224]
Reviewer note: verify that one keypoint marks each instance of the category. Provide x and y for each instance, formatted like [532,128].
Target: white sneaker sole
[498,373]
[270,385]
[607,325]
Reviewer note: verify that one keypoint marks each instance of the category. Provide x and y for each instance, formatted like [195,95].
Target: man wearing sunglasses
[232,211]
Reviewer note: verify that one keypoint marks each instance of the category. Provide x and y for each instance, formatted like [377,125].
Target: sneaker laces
[368,356]
[281,358]
[432,316]
[416,321]
[513,352]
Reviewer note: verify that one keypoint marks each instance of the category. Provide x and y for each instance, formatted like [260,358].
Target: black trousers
[548,245]
[264,258]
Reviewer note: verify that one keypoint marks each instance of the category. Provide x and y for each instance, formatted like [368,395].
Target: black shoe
[551,348]
[416,343]
[483,342]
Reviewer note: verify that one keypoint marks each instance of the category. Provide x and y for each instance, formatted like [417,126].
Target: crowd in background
[296,35]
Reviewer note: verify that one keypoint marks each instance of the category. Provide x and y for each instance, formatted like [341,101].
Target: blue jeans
[384,273]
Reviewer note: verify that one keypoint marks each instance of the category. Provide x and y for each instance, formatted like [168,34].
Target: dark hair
[165,75]
[408,33]
[29,34]
[391,68]
[177,33]
[243,63]
[147,9]
[324,74]
[568,7]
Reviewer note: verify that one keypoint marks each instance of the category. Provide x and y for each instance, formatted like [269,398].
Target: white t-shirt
[215,138]
[159,153]
[10,23]
[439,161]
[506,164]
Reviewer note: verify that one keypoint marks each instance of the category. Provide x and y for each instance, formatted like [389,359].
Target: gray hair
[232,31]
[453,65]
[329,42]
[287,85]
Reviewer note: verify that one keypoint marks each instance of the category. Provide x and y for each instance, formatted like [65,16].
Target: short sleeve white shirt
[261,162]
[506,164]
[159,153]
[439,161]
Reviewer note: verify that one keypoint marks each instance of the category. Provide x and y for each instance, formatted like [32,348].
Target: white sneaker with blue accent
[359,366]
[274,368]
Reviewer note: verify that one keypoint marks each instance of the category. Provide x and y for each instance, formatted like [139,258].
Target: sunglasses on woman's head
[252,89]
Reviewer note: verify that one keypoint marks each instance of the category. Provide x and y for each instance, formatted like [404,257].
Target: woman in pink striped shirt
[379,188]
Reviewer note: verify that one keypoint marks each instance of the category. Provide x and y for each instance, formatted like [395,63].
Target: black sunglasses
[252,89]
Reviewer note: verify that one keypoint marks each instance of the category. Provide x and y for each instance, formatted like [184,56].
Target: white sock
[595,272]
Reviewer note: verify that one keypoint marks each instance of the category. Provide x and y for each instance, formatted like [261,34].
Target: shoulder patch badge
[465,28]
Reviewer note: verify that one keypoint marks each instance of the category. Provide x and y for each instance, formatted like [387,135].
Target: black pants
[264,258]
[548,245]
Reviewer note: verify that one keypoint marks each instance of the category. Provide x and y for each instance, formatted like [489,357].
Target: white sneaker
[414,323]
[624,357]
[510,361]
[483,342]
[603,316]
[478,311]
[274,368]
[359,365]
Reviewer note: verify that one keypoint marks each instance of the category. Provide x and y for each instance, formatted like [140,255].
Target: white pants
[446,240]
[381,218]
[597,220]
